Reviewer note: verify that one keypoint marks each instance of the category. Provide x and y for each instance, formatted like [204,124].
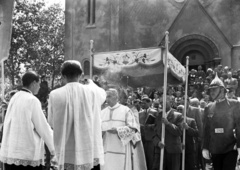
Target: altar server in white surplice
[119,127]
[25,129]
[74,114]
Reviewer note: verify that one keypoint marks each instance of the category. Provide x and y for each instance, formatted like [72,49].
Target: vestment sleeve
[41,125]
[130,120]
[101,94]
[50,112]
[127,133]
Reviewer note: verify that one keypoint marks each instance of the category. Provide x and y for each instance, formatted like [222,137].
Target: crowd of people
[91,126]
[198,86]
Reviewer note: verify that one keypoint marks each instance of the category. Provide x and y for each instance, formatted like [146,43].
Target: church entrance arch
[200,49]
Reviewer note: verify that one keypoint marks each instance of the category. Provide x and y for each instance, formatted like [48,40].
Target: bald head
[112,92]
[194,102]
[180,108]
[112,97]
[203,104]
[229,74]
[169,101]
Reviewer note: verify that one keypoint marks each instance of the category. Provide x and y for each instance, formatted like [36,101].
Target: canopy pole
[185,114]
[164,98]
[91,59]
[2,85]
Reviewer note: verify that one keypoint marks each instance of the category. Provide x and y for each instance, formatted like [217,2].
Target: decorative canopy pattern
[138,67]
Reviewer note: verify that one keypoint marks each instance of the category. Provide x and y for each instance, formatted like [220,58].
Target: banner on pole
[138,67]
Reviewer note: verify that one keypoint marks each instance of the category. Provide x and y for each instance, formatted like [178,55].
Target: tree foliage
[37,40]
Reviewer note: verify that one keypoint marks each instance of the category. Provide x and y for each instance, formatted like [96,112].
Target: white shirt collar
[114,107]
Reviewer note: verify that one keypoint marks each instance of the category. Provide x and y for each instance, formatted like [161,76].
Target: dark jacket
[195,113]
[147,131]
[173,132]
[220,121]
[191,135]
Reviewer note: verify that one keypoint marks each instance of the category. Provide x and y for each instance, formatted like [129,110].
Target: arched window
[91,12]
[86,67]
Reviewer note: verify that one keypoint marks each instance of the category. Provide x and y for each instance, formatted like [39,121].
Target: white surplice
[25,131]
[117,147]
[74,113]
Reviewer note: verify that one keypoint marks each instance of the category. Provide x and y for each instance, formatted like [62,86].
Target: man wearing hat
[221,119]
[146,120]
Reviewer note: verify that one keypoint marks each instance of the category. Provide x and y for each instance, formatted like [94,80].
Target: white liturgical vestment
[74,114]
[117,147]
[25,131]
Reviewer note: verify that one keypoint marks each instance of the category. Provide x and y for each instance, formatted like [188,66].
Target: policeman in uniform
[221,136]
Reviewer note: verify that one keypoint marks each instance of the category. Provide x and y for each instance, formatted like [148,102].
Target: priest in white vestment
[74,114]
[119,128]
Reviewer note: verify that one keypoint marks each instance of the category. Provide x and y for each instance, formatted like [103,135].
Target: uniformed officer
[221,120]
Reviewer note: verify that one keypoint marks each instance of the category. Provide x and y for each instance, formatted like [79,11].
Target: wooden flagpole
[164,98]
[91,59]
[185,114]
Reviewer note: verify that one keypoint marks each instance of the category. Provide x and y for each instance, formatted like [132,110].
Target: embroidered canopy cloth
[138,67]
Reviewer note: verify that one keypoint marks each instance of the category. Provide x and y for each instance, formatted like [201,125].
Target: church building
[205,30]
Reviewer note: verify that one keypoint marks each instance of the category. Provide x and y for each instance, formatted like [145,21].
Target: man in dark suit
[195,113]
[146,120]
[172,146]
[221,119]
[191,137]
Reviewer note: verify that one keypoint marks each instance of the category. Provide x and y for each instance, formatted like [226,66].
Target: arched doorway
[200,49]
[196,58]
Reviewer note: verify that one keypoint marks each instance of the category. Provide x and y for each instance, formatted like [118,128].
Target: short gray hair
[113,91]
